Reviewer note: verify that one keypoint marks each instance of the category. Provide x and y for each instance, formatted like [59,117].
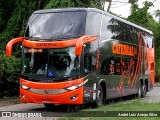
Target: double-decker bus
[83,55]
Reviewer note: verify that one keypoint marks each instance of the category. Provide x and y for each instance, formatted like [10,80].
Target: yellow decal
[124,49]
[35,50]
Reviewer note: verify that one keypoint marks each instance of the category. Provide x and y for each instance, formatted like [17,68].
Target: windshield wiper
[62,78]
[36,78]
[29,77]
[60,37]
[73,76]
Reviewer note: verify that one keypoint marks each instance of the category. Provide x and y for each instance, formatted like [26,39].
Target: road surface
[60,111]
[153,96]
[38,109]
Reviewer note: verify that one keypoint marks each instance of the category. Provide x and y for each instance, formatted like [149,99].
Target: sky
[122,8]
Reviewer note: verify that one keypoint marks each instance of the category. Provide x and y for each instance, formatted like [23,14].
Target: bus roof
[91,10]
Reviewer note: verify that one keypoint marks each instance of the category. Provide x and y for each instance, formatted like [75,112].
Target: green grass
[124,106]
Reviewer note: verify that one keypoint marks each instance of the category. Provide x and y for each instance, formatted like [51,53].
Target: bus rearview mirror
[10,44]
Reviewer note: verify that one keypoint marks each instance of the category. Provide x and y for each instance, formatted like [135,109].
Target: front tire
[49,106]
[100,97]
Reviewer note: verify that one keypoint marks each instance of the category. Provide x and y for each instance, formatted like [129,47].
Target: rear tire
[142,90]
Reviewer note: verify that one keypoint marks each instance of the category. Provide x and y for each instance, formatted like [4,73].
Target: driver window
[89,62]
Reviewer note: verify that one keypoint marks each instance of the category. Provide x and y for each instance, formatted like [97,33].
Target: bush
[157,74]
[9,75]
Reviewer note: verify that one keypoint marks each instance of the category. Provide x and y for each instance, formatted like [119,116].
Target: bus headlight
[77,86]
[72,88]
[24,87]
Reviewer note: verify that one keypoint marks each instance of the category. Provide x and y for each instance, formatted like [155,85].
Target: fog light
[24,96]
[73,97]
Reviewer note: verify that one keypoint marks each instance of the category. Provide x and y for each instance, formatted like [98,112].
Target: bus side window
[118,66]
[108,66]
[150,42]
[105,67]
[87,62]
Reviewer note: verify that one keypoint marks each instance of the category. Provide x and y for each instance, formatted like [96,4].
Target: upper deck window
[56,25]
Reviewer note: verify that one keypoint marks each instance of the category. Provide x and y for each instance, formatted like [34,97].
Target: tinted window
[106,29]
[43,63]
[89,57]
[93,23]
[60,25]
[115,29]
[150,42]
[108,66]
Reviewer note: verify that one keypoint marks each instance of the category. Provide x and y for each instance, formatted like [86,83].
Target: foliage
[138,15]
[9,75]
[74,3]
[14,15]
[158,15]
[142,17]
[16,21]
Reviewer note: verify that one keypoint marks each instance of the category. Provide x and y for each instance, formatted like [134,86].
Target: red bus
[83,55]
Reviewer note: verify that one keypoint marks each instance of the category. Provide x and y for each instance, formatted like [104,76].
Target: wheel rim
[139,91]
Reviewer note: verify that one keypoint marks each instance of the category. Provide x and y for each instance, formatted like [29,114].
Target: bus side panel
[120,67]
[151,65]
[91,87]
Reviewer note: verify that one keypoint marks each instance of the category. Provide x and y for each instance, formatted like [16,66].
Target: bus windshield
[56,25]
[40,64]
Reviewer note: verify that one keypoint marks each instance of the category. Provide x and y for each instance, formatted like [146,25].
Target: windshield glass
[60,25]
[39,64]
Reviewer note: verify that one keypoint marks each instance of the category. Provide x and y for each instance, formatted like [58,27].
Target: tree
[74,3]
[141,17]
[138,15]
[14,15]
[158,14]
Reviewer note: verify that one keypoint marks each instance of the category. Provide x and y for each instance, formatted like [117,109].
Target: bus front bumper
[44,97]
[67,92]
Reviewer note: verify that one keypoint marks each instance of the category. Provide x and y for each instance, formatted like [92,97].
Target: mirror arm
[11,43]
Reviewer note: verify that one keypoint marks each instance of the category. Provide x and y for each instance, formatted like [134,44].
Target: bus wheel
[144,90]
[141,91]
[100,97]
[49,106]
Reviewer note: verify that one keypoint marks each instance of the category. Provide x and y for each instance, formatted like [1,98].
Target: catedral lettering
[46,44]
[66,60]
[124,49]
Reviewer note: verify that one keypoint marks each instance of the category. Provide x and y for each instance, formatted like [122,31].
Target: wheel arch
[141,81]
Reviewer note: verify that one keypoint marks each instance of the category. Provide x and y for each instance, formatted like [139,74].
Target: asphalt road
[38,109]
[153,96]
[60,111]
